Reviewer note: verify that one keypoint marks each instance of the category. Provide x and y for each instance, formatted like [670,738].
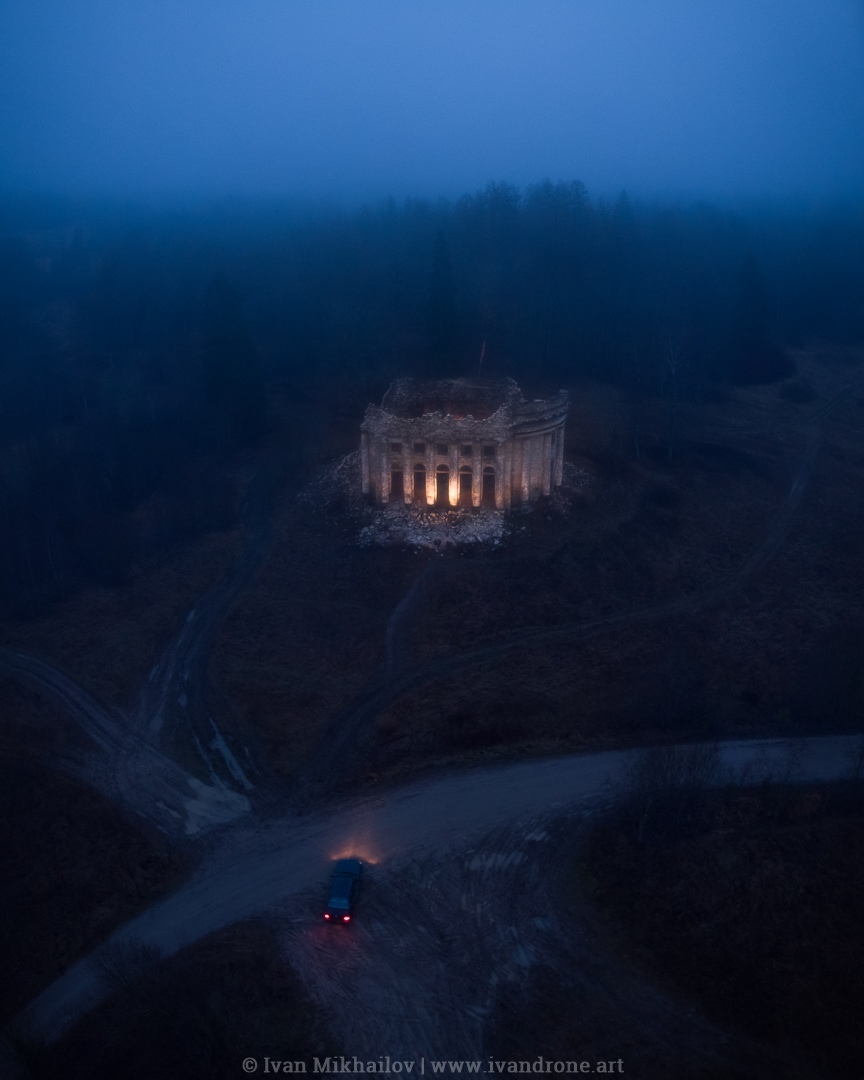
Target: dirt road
[175,694]
[251,869]
[337,750]
[283,864]
[127,762]
[121,764]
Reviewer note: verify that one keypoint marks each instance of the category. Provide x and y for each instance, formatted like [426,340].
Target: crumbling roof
[478,398]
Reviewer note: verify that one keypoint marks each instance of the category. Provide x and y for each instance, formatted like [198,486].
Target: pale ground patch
[404,526]
[400,525]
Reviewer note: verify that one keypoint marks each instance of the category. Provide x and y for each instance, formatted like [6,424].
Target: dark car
[344,886]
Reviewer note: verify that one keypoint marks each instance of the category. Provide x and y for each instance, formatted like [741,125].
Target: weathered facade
[462,442]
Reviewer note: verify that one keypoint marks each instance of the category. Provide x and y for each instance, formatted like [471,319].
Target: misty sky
[365,98]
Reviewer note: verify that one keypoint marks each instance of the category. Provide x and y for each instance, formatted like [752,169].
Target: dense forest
[138,344]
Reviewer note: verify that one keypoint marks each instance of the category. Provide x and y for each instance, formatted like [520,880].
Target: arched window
[465,482]
[442,488]
[420,485]
[397,485]
[488,486]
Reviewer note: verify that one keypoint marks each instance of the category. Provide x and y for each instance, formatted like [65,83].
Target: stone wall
[514,454]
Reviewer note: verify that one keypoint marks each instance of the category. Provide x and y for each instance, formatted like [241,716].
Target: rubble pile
[336,489]
[336,482]
[408,526]
[576,479]
[576,476]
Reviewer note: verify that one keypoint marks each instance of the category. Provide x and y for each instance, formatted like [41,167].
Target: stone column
[407,474]
[526,469]
[536,465]
[547,463]
[500,475]
[477,475]
[374,471]
[507,477]
[431,478]
[559,456]
[384,462]
[454,474]
[364,461]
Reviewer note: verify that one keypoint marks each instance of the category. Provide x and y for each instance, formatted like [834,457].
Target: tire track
[128,766]
[400,612]
[122,765]
[338,750]
[174,696]
[248,871]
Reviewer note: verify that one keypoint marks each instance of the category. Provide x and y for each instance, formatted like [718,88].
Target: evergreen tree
[753,304]
[233,383]
[759,359]
[441,314]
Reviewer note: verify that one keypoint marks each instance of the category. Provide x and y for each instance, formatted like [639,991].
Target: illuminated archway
[442,490]
[488,487]
[437,430]
[397,486]
[419,496]
[465,480]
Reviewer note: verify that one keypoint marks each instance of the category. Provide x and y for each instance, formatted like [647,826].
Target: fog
[247,592]
[348,100]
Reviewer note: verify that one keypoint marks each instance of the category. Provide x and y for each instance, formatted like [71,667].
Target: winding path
[174,694]
[337,750]
[252,866]
[122,765]
[249,871]
[127,763]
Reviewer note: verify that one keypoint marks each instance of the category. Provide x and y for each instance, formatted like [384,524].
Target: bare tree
[855,757]
[673,364]
[666,783]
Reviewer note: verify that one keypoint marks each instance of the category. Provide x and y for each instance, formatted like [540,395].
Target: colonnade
[523,467]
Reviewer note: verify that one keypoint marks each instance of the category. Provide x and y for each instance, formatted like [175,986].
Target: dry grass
[310,631]
[304,639]
[546,1017]
[33,723]
[764,660]
[749,906]
[199,1014]
[107,639]
[73,869]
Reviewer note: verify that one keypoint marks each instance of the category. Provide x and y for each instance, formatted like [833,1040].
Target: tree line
[138,344]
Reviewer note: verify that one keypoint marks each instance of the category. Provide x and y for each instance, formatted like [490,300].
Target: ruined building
[462,442]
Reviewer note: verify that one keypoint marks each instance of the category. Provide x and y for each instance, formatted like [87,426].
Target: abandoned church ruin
[462,442]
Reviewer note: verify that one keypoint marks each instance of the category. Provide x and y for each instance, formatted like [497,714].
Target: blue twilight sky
[365,98]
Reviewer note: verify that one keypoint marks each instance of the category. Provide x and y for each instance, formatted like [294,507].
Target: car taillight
[326,916]
[346,918]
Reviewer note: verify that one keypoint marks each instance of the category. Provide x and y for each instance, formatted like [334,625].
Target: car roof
[348,866]
[342,885]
